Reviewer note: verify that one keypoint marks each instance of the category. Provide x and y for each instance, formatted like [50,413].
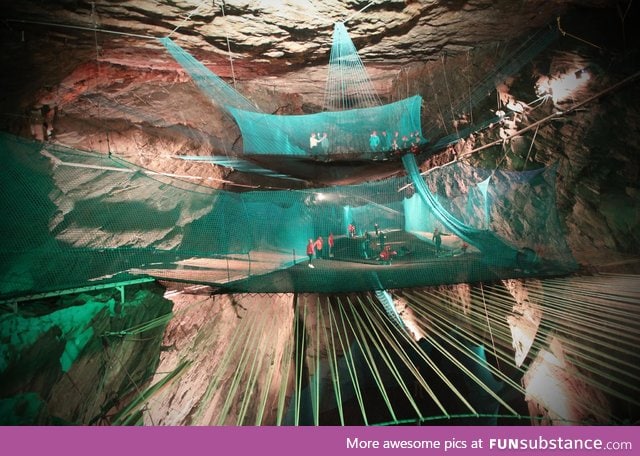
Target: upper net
[357,131]
[354,121]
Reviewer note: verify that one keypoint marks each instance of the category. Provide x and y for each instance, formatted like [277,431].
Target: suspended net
[342,360]
[212,85]
[354,123]
[508,65]
[363,131]
[73,218]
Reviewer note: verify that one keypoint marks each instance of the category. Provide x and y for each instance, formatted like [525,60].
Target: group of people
[316,249]
[382,251]
[378,142]
[386,143]
[369,249]
[319,141]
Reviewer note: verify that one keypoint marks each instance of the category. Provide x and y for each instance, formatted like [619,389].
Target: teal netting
[74,218]
[348,83]
[508,65]
[354,122]
[211,84]
[479,206]
[357,131]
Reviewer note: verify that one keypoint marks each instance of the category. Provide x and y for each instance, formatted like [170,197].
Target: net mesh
[73,218]
[354,122]
[362,131]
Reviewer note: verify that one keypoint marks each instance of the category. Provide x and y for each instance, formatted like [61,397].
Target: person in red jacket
[319,244]
[311,249]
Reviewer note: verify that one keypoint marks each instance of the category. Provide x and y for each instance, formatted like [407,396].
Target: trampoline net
[74,218]
[354,120]
[356,131]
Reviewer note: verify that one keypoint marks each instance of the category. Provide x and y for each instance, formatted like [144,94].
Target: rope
[435,95]
[186,19]
[546,119]
[493,342]
[333,361]
[446,82]
[287,359]
[95,38]
[358,12]
[233,73]
[350,363]
[535,134]
[574,36]
[469,87]
[362,332]
[78,27]
[594,318]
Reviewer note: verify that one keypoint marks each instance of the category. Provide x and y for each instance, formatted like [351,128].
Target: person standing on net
[352,229]
[331,242]
[324,143]
[437,240]
[318,245]
[310,251]
[374,141]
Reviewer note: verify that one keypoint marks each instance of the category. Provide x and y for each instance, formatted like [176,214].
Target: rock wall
[78,359]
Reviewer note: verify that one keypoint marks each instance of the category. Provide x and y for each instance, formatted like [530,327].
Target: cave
[296,213]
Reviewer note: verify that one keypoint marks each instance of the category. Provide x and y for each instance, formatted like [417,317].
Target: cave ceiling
[273,35]
[100,64]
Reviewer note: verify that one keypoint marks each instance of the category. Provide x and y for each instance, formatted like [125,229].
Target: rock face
[275,35]
[93,74]
[79,359]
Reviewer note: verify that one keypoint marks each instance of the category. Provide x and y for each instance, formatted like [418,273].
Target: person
[437,240]
[464,247]
[387,254]
[374,141]
[331,242]
[405,141]
[310,251]
[403,251]
[377,228]
[324,143]
[394,145]
[318,245]
[352,229]
[384,143]
[365,245]
[381,238]
[313,141]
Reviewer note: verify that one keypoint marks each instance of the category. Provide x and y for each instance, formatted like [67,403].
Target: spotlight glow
[563,86]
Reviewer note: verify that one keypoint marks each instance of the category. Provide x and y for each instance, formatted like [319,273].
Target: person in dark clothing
[366,245]
[381,239]
[437,240]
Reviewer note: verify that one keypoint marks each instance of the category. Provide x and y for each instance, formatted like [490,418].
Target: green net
[73,218]
[358,131]
[211,84]
[348,83]
[354,121]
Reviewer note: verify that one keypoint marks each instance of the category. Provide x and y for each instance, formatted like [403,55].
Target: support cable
[186,19]
[446,82]
[564,33]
